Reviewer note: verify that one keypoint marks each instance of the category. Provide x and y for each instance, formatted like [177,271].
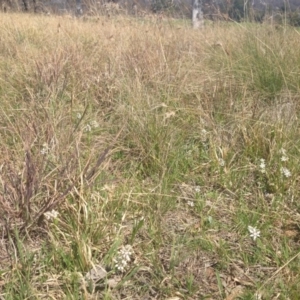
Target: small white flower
[53,214]
[191,203]
[254,232]
[123,257]
[87,128]
[45,150]
[221,162]
[262,165]
[78,115]
[284,156]
[286,172]
[197,189]
[94,124]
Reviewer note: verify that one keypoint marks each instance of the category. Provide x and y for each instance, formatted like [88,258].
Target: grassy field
[140,159]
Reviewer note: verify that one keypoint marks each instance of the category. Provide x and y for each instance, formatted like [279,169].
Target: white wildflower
[221,162]
[45,150]
[87,128]
[123,257]
[284,156]
[197,189]
[53,214]
[262,165]
[94,124]
[191,203]
[254,232]
[78,115]
[286,172]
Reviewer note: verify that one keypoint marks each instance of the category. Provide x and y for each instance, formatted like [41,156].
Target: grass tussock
[135,154]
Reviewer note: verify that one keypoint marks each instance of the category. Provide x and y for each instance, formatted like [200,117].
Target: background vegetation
[143,150]
[275,11]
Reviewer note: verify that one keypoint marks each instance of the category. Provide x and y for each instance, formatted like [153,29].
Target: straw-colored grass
[158,146]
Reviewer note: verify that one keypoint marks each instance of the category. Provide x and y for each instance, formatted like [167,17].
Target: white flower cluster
[221,162]
[262,165]
[123,257]
[284,156]
[285,172]
[191,203]
[53,214]
[90,126]
[197,189]
[254,232]
[45,150]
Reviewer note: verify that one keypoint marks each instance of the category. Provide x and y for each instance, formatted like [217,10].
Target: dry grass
[147,133]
